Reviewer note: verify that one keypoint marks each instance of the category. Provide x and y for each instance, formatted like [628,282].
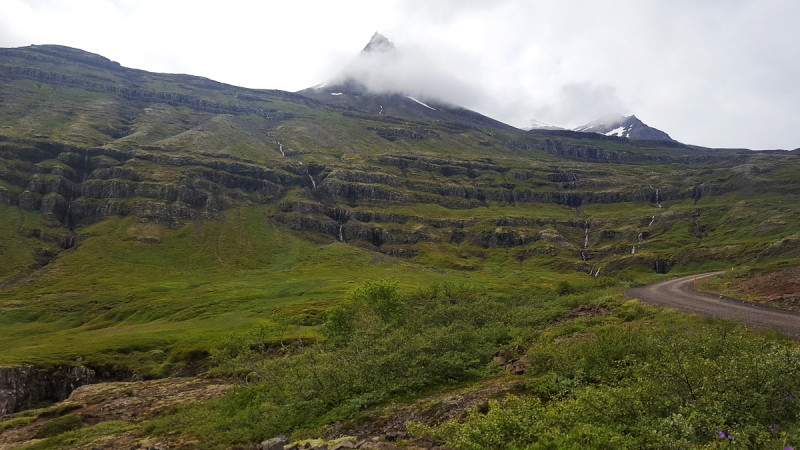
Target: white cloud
[715,73]
[411,70]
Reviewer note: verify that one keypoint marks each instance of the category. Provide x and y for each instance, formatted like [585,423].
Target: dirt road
[678,294]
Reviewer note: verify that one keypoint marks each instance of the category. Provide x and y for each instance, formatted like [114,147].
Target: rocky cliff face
[348,203]
[96,183]
[387,171]
[22,387]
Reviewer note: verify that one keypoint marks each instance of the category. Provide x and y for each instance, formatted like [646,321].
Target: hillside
[101,161]
[146,216]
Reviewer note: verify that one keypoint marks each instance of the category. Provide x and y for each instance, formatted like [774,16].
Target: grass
[18,252]
[16,422]
[83,435]
[115,299]
[149,296]
[134,288]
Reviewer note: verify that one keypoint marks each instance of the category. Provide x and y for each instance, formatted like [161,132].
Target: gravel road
[678,294]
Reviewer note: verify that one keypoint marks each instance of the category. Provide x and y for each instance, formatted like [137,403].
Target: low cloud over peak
[411,70]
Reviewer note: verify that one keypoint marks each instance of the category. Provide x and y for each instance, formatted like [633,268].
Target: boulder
[275,443]
[344,444]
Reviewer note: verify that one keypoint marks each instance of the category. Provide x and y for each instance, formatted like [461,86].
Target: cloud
[714,73]
[412,70]
[445,11]
[579,103]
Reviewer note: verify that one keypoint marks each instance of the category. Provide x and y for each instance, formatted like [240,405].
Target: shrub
[564,288]
[712,387]
[59,425]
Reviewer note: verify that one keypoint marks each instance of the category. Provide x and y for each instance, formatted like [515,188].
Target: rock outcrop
[22,387]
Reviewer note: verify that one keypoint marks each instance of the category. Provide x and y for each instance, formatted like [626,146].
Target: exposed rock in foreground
[136,402]
[118,401]
[22,387]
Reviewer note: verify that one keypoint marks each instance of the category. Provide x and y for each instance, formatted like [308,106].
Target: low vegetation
[162,225]
[628,376]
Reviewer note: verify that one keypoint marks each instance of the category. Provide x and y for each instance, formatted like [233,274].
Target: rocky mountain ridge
[621,126]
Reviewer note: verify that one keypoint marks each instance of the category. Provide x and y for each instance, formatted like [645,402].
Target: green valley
[158,225]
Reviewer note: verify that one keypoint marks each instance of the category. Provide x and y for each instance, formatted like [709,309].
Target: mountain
[536,125]
[622,126]
[153,225]
[379,43]
[352,94]
[107,171]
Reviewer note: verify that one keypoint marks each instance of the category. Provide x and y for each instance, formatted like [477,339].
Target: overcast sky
[718,73]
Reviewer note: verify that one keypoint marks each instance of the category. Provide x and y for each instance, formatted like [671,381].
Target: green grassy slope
[144,216]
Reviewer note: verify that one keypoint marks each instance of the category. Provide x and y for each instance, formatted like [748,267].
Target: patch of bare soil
[137,400]
[389,423]
[585,311]
[780,288]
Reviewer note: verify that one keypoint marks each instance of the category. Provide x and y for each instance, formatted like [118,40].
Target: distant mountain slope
[536,125]
[622,126]
[350,93]
[144,212]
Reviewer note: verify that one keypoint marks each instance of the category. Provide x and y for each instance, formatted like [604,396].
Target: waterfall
[313,183]
[68,221]
[583,255]
[586,238]
[381,111]
[657,202]
[640,238]
[651,221]
[341,237]
[598,272]
[633,250]
[280,147]
[86,165]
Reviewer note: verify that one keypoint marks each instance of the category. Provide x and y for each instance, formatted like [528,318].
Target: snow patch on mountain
[622,126]
[423,104]
[619,132]
[537,125]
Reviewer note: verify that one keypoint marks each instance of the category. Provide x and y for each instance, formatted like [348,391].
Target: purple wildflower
[788,447]
[773,428]
[724,435]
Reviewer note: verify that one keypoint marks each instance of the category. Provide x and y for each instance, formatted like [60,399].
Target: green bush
[16,422]
[59,425]
[646,388]
[607,381]
[380,344]
[564,288]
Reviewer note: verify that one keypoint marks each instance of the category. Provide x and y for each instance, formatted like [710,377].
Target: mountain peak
[379,43]
[624,126]
[537,125]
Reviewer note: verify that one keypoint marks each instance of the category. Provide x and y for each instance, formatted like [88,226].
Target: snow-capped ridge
[623,126]
[537,125]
